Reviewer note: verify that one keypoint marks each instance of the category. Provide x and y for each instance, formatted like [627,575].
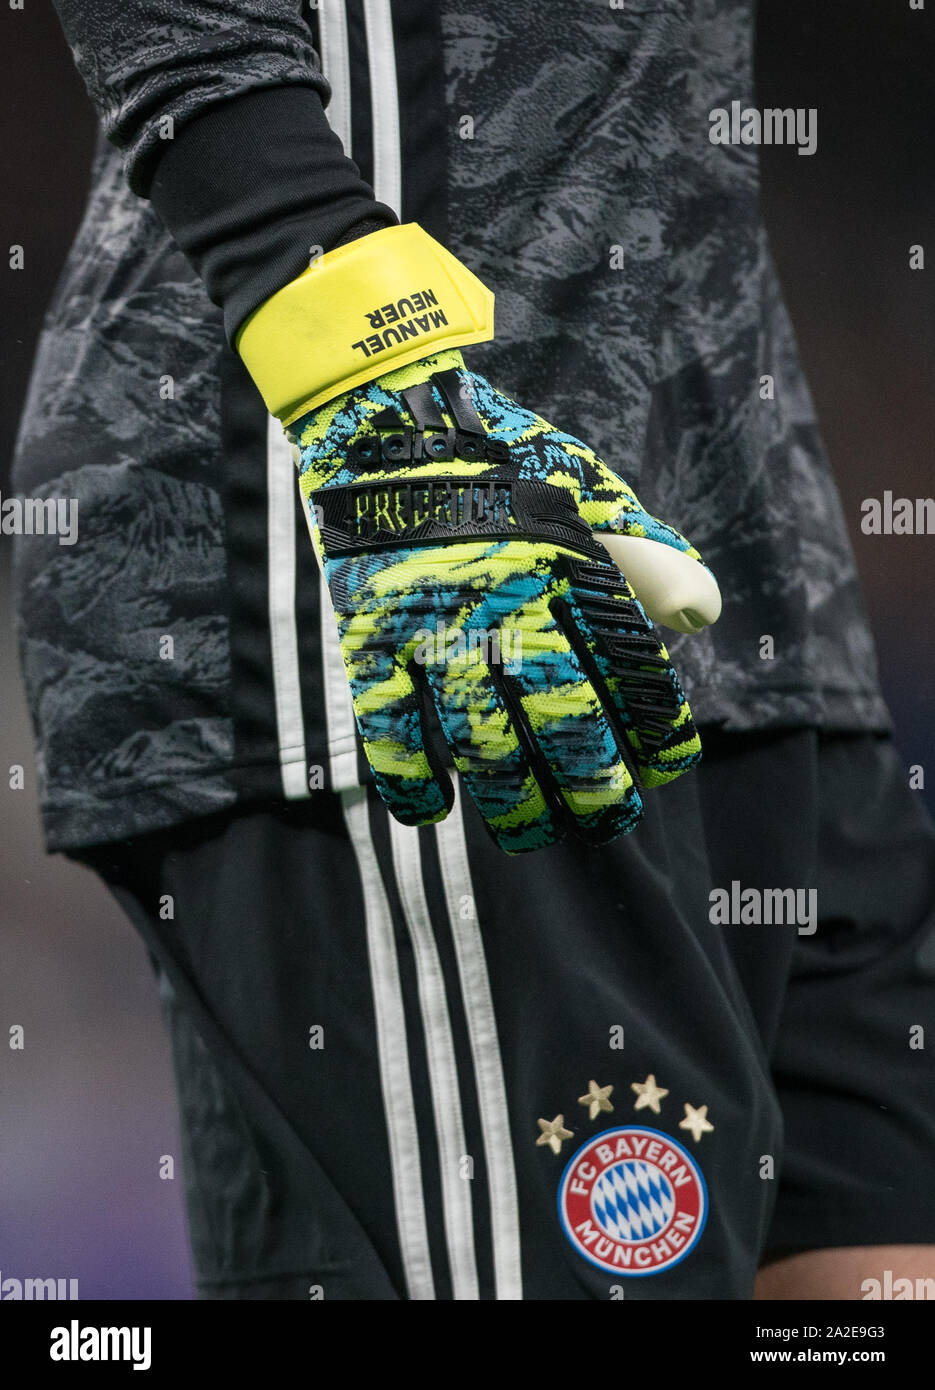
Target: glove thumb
[674,589]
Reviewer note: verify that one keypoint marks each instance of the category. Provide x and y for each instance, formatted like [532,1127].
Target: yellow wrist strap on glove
[367,307]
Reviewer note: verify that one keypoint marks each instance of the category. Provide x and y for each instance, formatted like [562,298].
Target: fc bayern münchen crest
[633,1201]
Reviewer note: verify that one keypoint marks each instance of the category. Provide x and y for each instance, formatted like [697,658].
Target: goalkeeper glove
[475,556]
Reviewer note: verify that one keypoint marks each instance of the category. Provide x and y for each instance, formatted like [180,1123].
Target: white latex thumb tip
[674,589]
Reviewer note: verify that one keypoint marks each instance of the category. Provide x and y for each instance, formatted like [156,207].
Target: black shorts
[411,1067]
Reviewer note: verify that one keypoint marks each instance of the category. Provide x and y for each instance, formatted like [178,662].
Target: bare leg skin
[847,1273]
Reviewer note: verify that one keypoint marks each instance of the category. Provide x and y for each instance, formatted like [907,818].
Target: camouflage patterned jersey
[173,655]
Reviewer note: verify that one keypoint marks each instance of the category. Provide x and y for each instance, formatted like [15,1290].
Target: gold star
[553,1132]
[648,1093]
[596,1099]
[697,1121]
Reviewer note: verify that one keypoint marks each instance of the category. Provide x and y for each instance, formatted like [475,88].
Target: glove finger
[389,709]
[565,719]
[633,667]
[489,756]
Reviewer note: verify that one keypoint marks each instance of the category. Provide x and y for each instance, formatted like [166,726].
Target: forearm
[219,113]
[254,188]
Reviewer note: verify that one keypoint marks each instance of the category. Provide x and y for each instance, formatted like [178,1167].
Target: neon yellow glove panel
[377,303]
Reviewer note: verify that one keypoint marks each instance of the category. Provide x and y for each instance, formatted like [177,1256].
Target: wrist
[368,308]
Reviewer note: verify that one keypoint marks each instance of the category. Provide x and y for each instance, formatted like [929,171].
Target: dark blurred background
[87,1108]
